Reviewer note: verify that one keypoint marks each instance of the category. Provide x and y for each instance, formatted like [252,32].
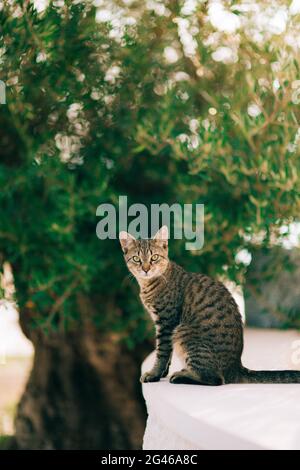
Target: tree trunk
[83,392]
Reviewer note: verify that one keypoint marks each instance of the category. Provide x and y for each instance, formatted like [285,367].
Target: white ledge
[230,417]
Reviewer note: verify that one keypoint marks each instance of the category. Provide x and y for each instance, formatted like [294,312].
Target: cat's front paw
[150,377]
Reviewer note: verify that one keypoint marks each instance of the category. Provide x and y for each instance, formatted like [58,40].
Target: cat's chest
[151,306]
[152,312]
[160,306]
[155,306]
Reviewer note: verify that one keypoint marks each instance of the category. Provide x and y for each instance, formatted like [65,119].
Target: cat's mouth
[145,275]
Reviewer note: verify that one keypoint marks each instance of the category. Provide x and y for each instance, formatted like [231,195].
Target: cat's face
[146,259]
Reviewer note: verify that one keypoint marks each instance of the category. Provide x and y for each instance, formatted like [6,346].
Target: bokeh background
[183,101]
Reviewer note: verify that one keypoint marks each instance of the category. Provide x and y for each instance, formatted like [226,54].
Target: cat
[194,315]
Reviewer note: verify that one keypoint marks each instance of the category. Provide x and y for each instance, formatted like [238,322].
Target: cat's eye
[136,259]
[154,257]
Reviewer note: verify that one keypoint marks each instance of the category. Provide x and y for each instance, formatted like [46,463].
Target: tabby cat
[193,314]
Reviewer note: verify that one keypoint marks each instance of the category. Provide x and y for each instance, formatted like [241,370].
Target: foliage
[151,100]
[6,443]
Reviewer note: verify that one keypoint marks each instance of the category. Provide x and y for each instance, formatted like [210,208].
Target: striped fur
[194,315]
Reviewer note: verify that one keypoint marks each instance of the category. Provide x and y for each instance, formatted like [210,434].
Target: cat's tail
[268,376]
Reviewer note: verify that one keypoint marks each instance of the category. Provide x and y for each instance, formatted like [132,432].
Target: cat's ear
[162,235]
[126,240]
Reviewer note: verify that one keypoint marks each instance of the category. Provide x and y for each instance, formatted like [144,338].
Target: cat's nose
[146,267]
